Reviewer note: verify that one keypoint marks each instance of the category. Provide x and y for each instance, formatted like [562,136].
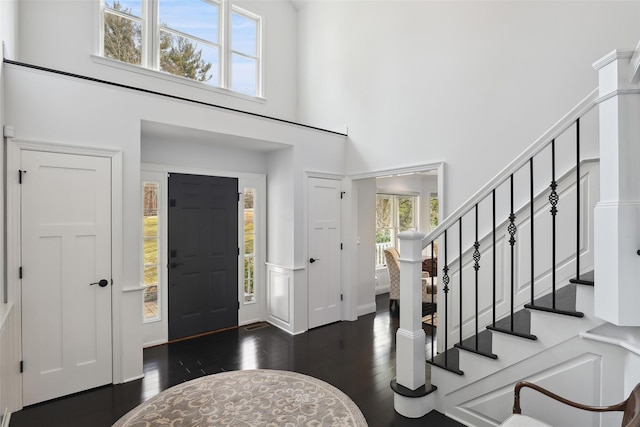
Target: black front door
[203,254]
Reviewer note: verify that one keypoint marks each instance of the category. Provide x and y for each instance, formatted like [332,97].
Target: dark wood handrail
[516,399]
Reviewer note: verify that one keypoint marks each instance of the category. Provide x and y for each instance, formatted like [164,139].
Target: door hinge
[239,194]
[238,305]
[341,246]
[20,272]
[21,366]
[238,251]
[342,193]
[20,173]
[341,297]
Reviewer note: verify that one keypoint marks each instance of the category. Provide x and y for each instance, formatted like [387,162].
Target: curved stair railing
[471,232]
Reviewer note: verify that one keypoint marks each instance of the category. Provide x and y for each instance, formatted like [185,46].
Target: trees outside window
[395,213]
[249,246]
[185,38]
[150,251]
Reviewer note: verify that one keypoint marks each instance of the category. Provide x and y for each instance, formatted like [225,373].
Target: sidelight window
[150,251]
[249,246]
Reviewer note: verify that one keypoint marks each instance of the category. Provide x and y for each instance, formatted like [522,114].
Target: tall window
[209,41]
[249,246]
[395,213]
[150,245]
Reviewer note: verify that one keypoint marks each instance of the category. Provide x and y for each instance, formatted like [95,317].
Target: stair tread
[521,322]
[452,364]
[484,344]
[565,301]
[587,278]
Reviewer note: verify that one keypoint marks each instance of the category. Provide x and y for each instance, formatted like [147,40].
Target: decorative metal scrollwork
[445,278]
[512,229]
[476,256]
[553,198]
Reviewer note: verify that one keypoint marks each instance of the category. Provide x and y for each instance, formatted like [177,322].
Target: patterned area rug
[248,398]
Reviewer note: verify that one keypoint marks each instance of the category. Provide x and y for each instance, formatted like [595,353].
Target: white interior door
[66,252]
[324,263]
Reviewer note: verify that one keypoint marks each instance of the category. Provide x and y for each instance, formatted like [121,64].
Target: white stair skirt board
[517,420]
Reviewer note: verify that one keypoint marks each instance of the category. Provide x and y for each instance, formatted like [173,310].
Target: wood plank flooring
[357,357]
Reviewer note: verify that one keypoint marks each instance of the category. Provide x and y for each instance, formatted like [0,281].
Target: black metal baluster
[493,193]
[433,307]
[553,200]
[512,241]
[532,226]
[445,281]
[578,198]
[476,267]
[460,271]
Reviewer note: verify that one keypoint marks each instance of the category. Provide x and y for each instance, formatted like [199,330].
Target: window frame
[150,47]
[160,250]
[258,43]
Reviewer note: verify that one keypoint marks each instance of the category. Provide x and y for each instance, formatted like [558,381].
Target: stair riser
[585,300]
[512,349]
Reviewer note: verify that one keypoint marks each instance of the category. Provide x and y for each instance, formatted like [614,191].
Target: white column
[617,215]
[412,398]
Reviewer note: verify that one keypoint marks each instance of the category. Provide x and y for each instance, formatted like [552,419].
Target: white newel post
[412,398]
[617,215]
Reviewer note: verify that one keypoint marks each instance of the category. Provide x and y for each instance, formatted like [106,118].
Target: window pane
[151,275]
[244,75]
[131,7]
[248,244]
[194,17]
[243,34]
[187,58]
[122,39]
[433,211]
[150,199]
[150,292]
[150,251]
[249,196]
[249,284]
[383,212]
[405,213]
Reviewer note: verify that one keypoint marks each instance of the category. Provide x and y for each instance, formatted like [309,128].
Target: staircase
[517,290]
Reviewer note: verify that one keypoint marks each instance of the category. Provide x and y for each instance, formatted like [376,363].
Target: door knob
[312,260]
[175,264]
[102,283]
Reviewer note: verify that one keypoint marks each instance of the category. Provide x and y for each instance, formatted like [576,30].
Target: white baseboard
[382,290]
[137,377]
[366,309]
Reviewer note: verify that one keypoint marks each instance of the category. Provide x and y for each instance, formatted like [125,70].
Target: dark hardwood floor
[357,357]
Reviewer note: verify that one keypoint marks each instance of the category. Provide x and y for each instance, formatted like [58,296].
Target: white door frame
[14,246]
[157,332]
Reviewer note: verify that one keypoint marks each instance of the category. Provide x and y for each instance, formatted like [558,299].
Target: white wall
[366,241]
[211,155]
[67,36]
[49,108]
[471,83]
[9,340]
